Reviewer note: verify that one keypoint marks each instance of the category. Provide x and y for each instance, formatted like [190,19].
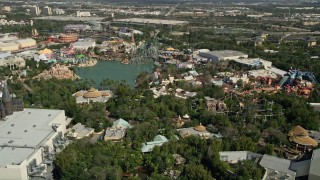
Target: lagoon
[113,70]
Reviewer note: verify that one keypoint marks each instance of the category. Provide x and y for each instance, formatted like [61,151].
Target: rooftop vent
[12,125]
[9,132]
[25,130]
[11,141]
[34,125]
[49,115]
[29,112]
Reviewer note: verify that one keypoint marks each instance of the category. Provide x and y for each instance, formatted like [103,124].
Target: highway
[172,10]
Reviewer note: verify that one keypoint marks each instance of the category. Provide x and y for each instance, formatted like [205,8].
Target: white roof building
[238,156]
[13,61]
[199,130]
[158,140]
[117,131]
[277,168]
[84,44]
[25,43]
[216,56]
[79,131]
[28,139]
[10,46]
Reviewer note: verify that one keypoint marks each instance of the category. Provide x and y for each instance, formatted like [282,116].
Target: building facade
[35,10]
[47,11]
[83,14]
[29,139]
[58,11]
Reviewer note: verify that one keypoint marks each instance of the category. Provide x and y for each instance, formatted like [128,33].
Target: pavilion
[93,95]
[299,137]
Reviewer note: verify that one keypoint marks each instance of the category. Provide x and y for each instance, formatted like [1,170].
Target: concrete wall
[36,155]
[14,172]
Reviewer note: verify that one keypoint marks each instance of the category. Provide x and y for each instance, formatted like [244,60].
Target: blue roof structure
[121,122]
[158,140]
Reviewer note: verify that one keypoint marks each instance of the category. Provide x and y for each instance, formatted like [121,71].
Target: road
[172,10]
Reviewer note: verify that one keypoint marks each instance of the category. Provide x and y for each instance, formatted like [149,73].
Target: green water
[113,70]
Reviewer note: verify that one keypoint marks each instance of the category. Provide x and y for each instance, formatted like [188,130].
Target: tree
[193,171]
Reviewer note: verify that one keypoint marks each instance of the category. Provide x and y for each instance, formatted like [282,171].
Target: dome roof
[92,93]
[200,128]
[304,140]
[298,131]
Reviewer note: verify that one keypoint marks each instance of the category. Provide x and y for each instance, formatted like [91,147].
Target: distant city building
[5,22]
[83,14]
[58,11]
[8,43]
[35,10]
[76,28]
[12,62]
[68,38]
[8,37]
[26,43]
[9,46]
[151,21]
[47,11]
[7,8]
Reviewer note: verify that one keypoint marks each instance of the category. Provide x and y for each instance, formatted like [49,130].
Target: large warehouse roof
[28,128]
[152,21]
[28,40]
[226,53]
[12,156]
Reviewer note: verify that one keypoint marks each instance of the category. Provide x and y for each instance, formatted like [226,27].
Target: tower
[7,100]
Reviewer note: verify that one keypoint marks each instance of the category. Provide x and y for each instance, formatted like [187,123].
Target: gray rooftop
[14,156]
[152,21]
[114,133]
[314,172]
[28,128]
[226,53]
[236,156]
[82,130]
[277,164]
[301,168]
[190,131]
